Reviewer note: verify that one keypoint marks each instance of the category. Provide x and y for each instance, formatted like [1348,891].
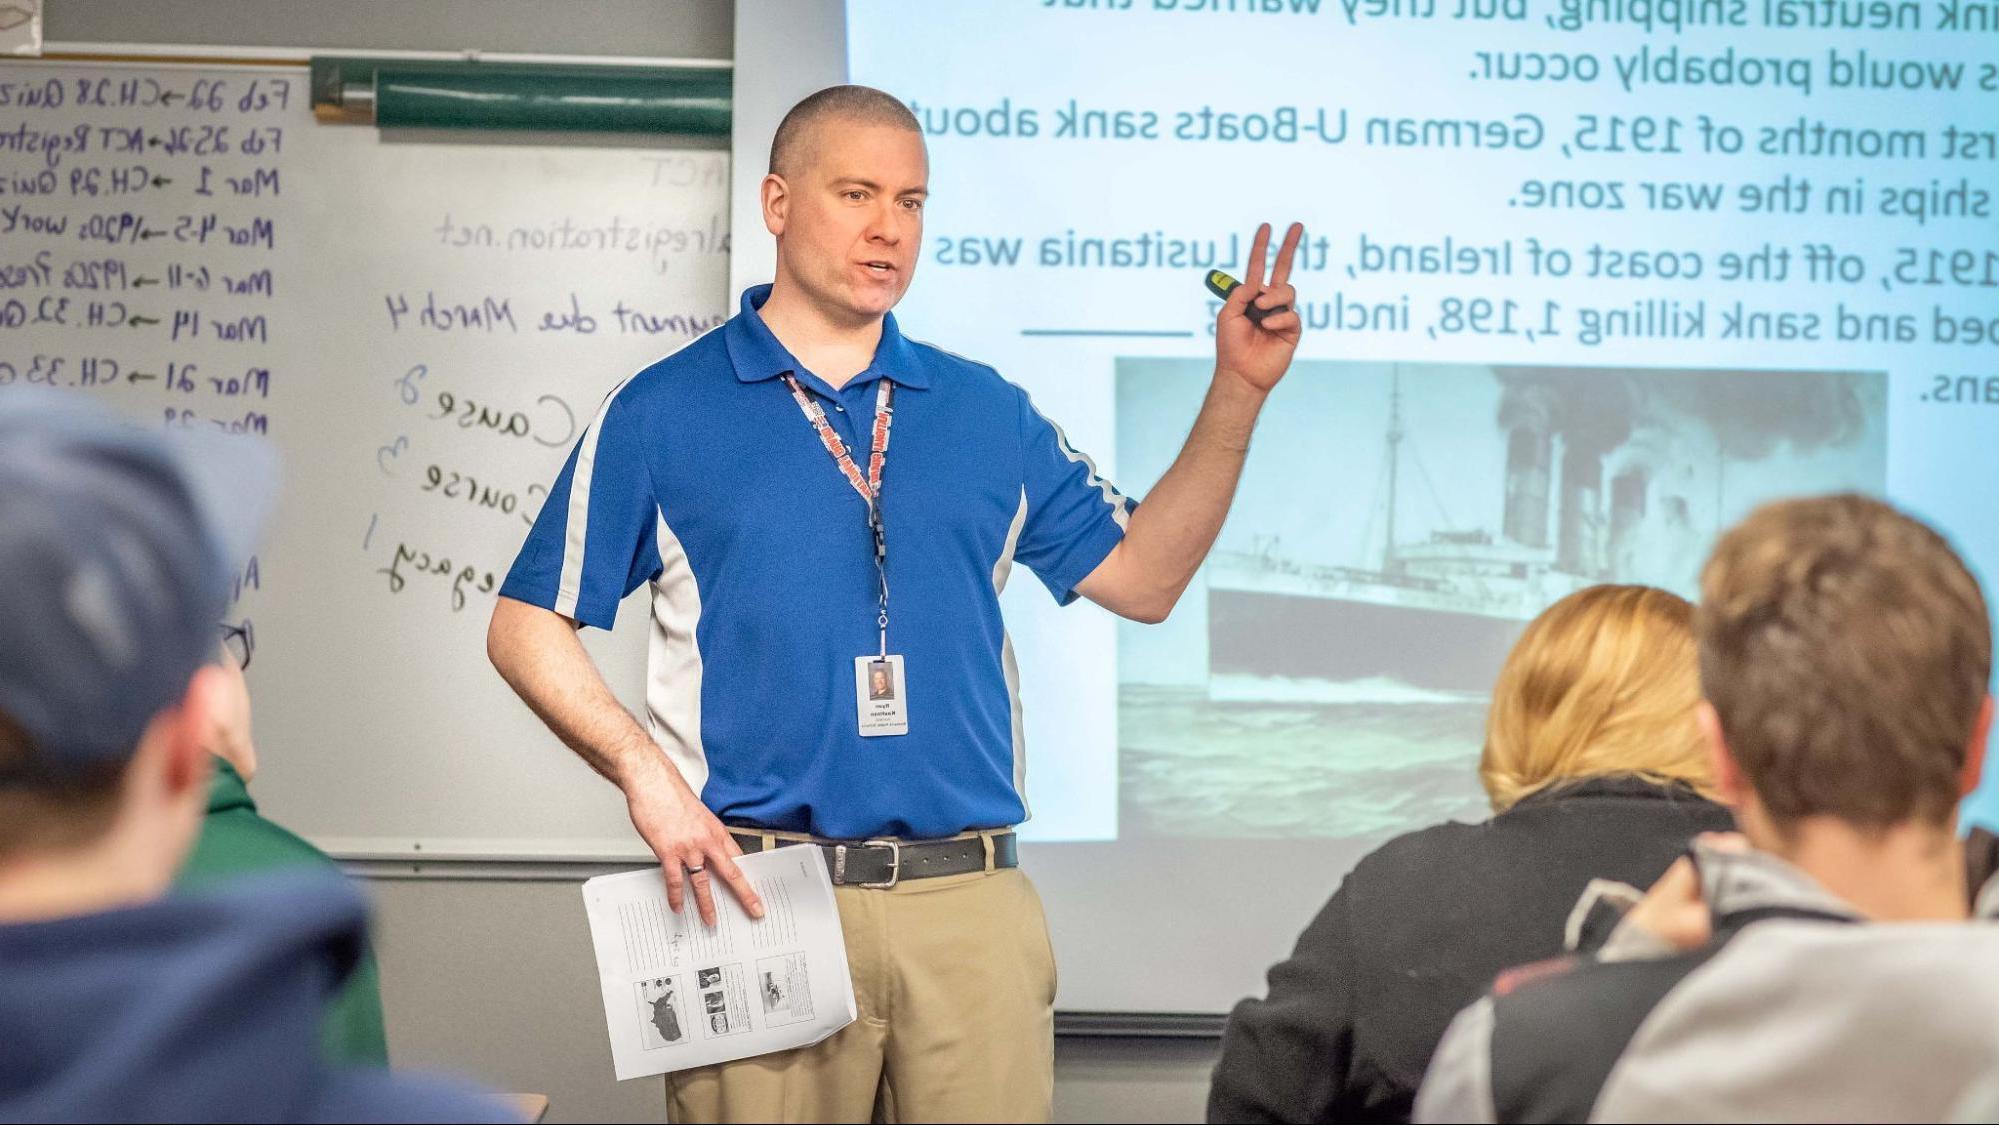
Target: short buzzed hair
[1846,649]
[48,812]
[858,105]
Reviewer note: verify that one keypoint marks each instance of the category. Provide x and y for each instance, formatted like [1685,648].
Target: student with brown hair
[1594,768]
[1845,653]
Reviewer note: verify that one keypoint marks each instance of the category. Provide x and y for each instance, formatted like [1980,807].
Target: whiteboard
[422,324]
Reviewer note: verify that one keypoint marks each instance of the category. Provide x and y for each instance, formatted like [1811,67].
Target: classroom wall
[487,969]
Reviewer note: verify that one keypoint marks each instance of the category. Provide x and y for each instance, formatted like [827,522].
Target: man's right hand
[537,652]
[693,847]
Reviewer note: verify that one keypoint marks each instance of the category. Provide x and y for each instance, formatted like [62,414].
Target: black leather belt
[884,863]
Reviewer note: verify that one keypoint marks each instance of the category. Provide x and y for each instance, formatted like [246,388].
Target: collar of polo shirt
[757,354]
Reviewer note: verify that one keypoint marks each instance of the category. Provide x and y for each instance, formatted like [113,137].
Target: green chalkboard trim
[399,93]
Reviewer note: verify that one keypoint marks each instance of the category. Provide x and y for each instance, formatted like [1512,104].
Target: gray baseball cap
[117,547]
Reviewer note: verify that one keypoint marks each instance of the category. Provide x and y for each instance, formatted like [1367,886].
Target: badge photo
[881,695]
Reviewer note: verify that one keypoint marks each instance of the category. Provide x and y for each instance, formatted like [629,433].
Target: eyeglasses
[241,641]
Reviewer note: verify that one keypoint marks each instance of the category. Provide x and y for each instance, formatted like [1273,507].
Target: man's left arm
[1170,533]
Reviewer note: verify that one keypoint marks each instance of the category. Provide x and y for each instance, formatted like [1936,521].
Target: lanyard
[869,485]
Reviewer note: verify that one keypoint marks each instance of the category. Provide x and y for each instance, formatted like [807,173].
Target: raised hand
[1260,353]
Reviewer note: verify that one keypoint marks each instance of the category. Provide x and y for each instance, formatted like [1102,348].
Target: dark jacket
[198,1007]
[237,841]
[1419,929]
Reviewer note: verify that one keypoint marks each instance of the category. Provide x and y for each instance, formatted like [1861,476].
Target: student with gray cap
[116,1002]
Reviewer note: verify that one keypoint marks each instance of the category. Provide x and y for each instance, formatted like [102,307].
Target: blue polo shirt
[701,476]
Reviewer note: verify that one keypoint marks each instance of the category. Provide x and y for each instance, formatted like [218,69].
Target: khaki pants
[955,983]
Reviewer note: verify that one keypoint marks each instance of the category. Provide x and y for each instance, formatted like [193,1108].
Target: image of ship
[1607,475]
[1395,529]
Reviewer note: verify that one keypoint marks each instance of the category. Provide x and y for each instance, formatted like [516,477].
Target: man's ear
[776,195]
[187,765]
[1974,754]
[1729,784]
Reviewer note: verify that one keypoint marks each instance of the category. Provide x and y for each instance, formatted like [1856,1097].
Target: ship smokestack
[1530,453]
[1627,512]
[1527,414]
[1580,547]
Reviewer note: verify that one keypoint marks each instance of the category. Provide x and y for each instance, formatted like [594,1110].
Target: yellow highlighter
[1221,285]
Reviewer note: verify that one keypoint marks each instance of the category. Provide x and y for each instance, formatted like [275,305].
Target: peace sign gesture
[1259,354]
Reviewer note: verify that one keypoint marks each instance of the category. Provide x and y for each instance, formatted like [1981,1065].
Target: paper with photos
[679,993]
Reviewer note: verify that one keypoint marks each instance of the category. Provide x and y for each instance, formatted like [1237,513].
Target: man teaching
[774,481]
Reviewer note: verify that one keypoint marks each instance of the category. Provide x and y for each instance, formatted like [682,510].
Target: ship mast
[1394,461]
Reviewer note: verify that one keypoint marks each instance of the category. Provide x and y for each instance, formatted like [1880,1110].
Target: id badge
[881,695]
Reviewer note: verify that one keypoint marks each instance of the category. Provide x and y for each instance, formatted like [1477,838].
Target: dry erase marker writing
[1221,285]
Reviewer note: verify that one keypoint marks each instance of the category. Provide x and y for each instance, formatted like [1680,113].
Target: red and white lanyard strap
[868,484]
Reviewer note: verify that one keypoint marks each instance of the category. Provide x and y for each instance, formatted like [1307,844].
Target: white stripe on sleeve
[569,587]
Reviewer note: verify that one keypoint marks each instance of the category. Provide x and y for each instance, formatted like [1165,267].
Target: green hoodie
[236,841]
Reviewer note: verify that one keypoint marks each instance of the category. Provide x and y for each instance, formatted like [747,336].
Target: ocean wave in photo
[1194,767]
[1383,690]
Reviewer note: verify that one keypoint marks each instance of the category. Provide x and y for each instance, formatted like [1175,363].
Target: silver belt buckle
[894,863]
